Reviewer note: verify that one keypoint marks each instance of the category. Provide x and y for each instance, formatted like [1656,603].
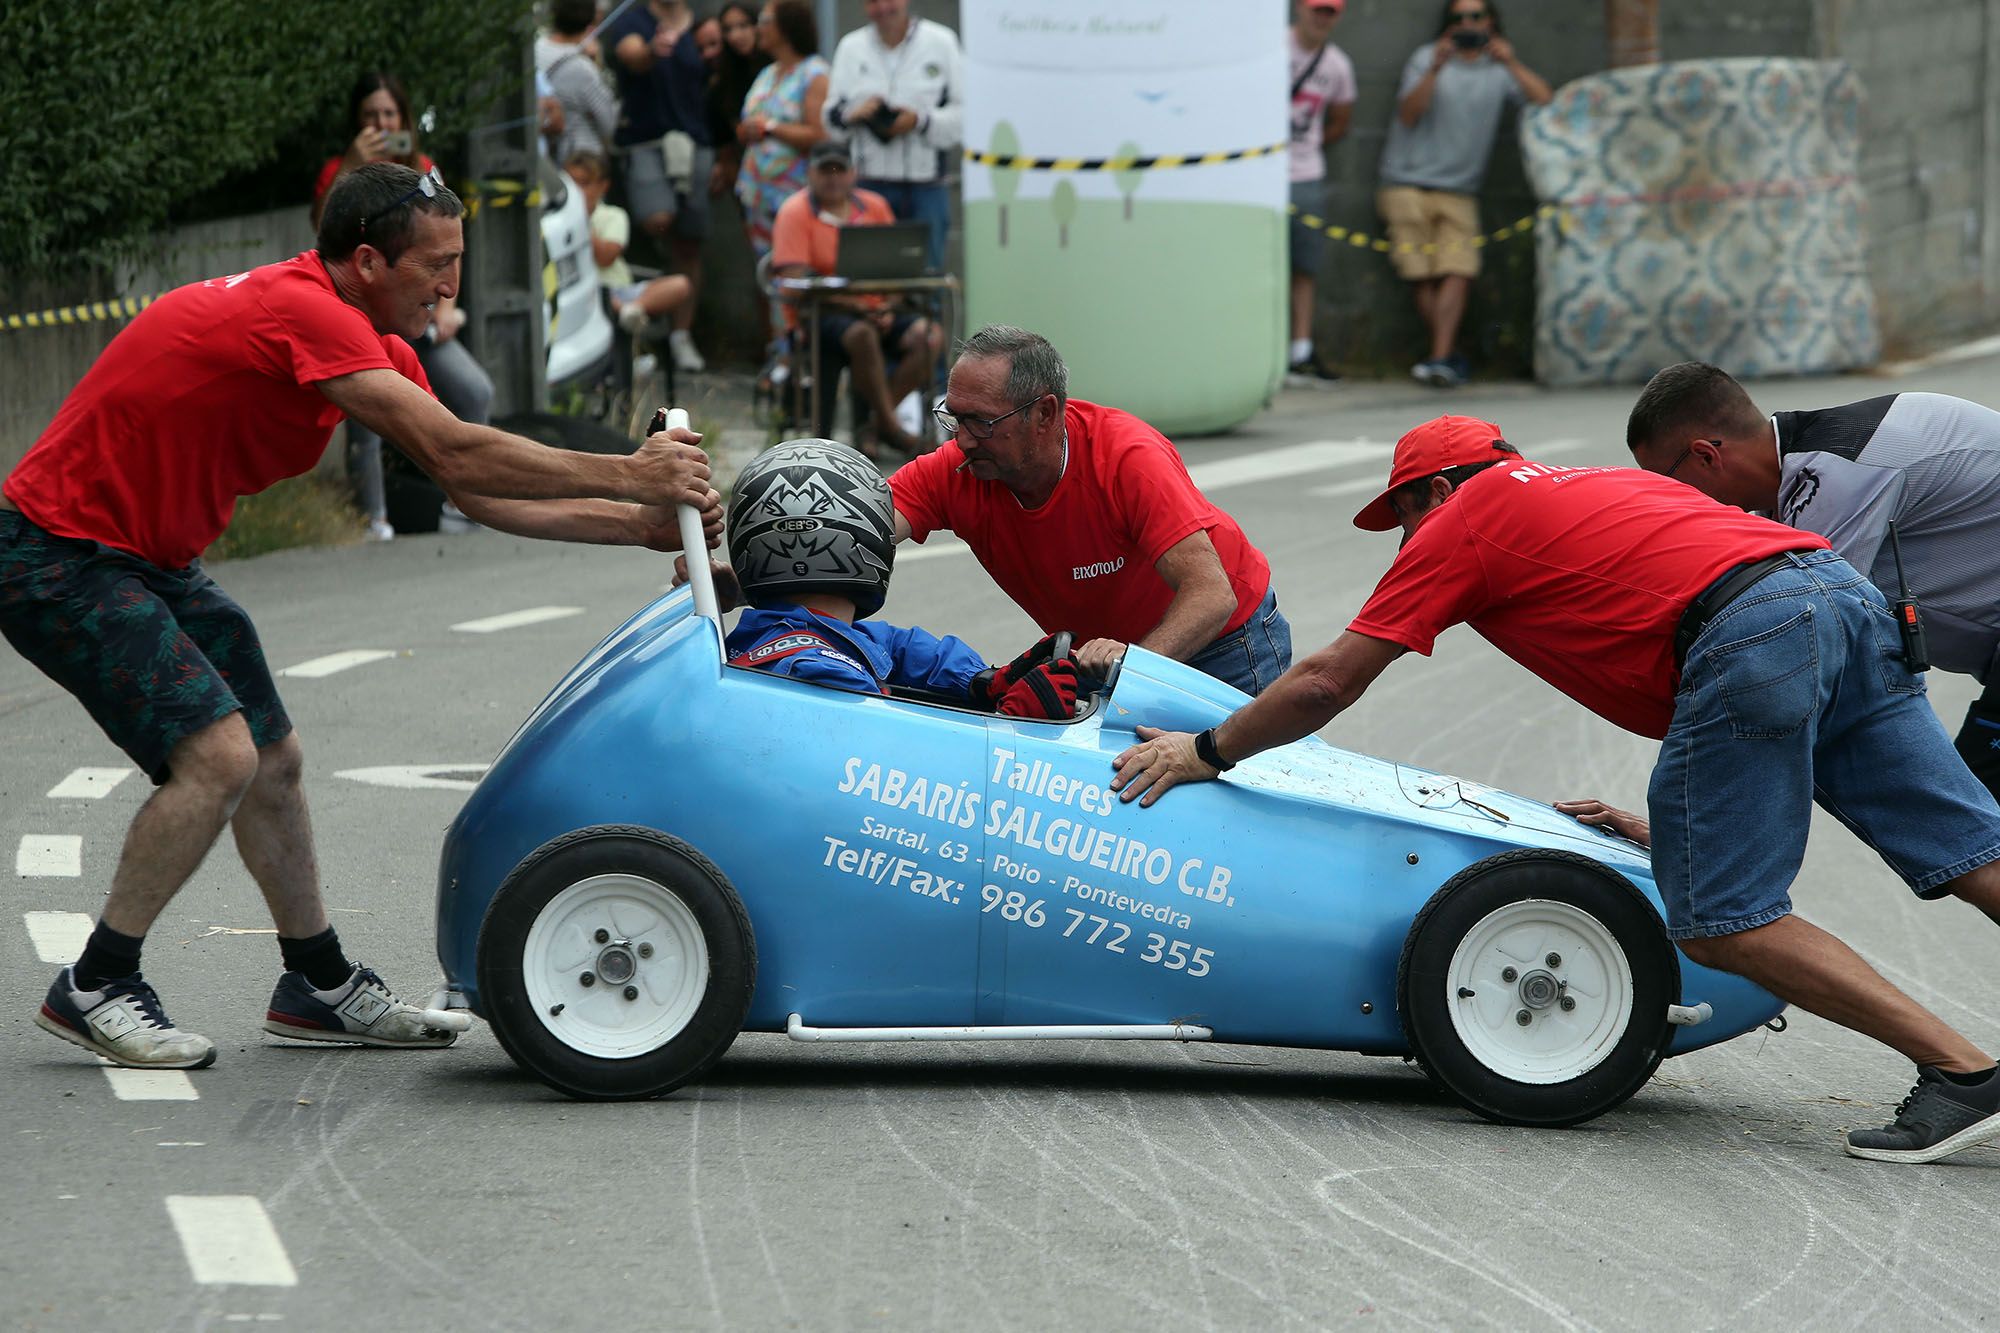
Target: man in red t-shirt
[217,390]
[868,329]
[1633,594]
[1087,518]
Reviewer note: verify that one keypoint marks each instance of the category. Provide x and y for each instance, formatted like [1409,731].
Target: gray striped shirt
[1930,463]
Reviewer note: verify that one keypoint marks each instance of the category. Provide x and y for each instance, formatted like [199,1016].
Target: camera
[397,143]
[1469,39]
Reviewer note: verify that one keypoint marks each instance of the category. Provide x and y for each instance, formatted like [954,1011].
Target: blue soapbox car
[672,850]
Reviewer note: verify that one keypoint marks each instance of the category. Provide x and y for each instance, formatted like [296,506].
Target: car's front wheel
[616,962]
[1534,986]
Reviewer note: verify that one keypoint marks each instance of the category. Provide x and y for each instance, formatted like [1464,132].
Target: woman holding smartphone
[378,111]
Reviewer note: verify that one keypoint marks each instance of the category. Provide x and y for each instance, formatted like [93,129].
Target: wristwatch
[1205,749]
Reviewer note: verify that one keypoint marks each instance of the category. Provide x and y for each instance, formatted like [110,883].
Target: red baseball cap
[1335,5]
[1431,448]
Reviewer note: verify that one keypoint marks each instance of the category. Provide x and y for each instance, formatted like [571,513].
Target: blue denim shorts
[1796,692]
[1253,654]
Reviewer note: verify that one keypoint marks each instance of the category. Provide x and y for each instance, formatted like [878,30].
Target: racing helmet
[812,516]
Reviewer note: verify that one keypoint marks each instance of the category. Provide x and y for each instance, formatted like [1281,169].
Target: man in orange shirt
[805,239]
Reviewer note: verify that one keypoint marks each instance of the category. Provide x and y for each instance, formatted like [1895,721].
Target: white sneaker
[681,343]
[362,1011]
[123,1022]
[452,521]
[380,531]
[632,317]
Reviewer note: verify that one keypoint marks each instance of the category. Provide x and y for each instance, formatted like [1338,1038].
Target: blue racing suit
[866,655]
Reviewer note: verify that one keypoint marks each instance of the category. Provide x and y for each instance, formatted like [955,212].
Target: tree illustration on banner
[1127,180]
[1063,203]
[1006,145]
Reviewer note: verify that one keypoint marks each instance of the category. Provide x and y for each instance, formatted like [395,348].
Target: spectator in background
[634,303]
[781,116]
[665,140]
[1322,104]
[867,329]
[1448,109]
[379,111]
[730,75]
[589,112]
[896,92]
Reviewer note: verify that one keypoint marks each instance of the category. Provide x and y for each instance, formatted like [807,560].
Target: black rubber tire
[1467,899]
[675,867]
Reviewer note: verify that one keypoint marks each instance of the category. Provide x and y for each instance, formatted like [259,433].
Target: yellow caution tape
[498,194]
[1157,162]
[123,307]
[1381,245]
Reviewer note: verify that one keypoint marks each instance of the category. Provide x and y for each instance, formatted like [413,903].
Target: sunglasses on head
[427,185]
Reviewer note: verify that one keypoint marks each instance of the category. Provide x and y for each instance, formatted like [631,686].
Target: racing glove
[1047,691]
[991,685]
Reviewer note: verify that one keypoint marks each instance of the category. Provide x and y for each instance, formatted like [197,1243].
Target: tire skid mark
[756,1215]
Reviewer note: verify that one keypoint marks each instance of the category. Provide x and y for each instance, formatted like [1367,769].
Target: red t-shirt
[1084,560]
[209,394]
[1579,574]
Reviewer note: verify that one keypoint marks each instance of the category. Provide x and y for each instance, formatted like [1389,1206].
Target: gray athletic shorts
[1308,243]
[649,194]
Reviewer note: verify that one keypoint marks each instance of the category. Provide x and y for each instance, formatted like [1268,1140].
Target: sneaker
[1938,1118]
[452,520]
[681,343]
[124,1023]
[1448,373]
[362,1012]
[1309,374]
[632,317]
[380,531]
[1425,372]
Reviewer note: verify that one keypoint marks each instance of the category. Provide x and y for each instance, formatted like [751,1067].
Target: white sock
[1302,348]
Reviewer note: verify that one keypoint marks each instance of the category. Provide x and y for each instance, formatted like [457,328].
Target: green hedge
[121,117]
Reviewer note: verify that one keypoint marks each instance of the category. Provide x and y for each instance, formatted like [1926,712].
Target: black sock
[1970,1080]
[107,955]
[319,958]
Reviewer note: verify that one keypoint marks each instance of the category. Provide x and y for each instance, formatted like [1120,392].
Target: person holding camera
[895,92]
[1448,109]
[379,111]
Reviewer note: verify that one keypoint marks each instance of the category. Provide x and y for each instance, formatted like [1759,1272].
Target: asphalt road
[1105,1185]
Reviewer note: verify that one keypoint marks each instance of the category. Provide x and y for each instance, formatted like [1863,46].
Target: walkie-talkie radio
[1916,652]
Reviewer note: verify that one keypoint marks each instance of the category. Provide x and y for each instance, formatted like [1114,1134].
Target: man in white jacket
[897,94]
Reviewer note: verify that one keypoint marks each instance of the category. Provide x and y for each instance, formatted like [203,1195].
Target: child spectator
[634,303]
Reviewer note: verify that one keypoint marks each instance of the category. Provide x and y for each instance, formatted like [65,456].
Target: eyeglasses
[1675,466]
[427,185]
[1468,15]
[979,428]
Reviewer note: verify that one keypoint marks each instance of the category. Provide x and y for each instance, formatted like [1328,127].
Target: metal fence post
[502,285]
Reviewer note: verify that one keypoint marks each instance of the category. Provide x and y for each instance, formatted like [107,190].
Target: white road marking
[413,777]
[332,662]
[534,615]
[49,854]
[149,1085]
[229,1239]
[1358,485]
[1287,461]
[58,937]
[1963,352]
[89,784]
[937,544]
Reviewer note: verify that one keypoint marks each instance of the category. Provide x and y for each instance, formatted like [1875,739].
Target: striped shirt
[1931,464]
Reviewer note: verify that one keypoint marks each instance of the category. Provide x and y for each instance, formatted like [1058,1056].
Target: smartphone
[397,143]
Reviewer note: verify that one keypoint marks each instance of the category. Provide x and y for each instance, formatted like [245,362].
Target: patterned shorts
[154,654]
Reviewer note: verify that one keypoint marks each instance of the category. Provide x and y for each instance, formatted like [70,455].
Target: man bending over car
[811,541]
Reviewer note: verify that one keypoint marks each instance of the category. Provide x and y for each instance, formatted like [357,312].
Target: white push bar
[796,1029]
[1686,1016]
[693,544]
[448,1010]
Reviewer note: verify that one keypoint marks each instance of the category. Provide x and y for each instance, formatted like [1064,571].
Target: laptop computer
[886,251]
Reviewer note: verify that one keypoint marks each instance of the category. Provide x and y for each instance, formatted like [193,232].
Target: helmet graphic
[812,516]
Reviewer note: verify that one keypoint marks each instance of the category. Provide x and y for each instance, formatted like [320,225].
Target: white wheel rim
[647,929]
[1556,1044]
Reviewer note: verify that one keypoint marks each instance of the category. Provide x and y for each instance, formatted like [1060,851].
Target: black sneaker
[1309,374]
[1938,1118]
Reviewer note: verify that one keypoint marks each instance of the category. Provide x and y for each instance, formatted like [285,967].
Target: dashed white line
[89,784]
[229,1240]
[58,937]
[534,615]
[1285,461]
[149,1085]
[49,854]
[332,662]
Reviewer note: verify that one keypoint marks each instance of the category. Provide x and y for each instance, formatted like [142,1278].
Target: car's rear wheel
[1534,987]
[616,962]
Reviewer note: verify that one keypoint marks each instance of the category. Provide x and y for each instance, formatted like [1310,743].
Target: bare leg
[687,258]
[1302,305]
[1804,965]
[1425,293]
[274,836]
[179,823]
[1447,310]
[663,294]
[1981,888]
[863,344]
